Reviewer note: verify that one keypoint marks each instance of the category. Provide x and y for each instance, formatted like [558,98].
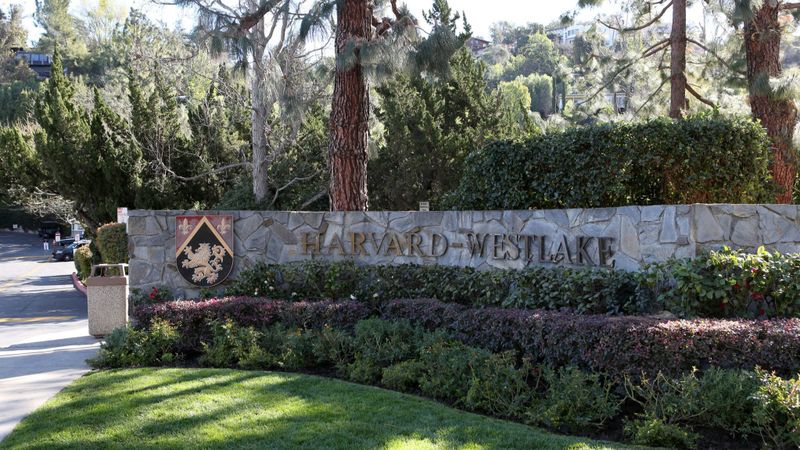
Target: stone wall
[623,238]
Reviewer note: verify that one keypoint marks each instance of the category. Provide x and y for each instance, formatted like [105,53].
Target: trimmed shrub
[659,161]
[234,346]
[332,347]
[129,347]
[574,400]
[403,376]
[729,283]
[583,290]
[613,345]
[112,241]
[657,433]
[498,387]
[448,368]
[83,261]
[379,344]
[193,317]
[777,411]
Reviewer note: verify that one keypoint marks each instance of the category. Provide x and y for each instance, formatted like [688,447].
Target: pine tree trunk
[259,137]
[762,37]
[349,125]
[677,97]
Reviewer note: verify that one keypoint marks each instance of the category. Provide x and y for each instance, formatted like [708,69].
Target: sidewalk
[44,339]
[47,359]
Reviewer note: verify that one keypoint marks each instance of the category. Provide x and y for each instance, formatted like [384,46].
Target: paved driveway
[44,338]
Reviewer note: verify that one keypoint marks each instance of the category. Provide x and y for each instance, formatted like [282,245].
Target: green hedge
[112,242]
[704,158]
[584,290]
[728,283]
[725,283]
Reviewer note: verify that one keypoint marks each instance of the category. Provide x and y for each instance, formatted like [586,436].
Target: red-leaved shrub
[193,318]
[613,345]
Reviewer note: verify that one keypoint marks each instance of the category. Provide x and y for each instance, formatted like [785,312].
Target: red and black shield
[204,248]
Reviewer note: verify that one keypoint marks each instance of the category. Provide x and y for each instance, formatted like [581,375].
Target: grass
[211,408]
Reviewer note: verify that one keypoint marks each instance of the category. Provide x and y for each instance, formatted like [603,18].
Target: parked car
[48,230]
[68,253]
[65,242]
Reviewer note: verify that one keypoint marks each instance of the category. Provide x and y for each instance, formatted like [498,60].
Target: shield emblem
[204,248]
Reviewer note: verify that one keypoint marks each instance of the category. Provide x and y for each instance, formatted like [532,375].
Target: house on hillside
[477,44]
[40,63]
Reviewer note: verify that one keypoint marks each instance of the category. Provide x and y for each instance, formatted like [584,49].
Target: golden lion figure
[206,262]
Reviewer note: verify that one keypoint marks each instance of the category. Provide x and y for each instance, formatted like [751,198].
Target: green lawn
[207,408]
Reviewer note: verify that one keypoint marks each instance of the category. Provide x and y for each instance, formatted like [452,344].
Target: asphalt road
[44,338]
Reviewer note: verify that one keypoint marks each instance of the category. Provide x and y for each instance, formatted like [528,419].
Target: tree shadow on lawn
[210,408]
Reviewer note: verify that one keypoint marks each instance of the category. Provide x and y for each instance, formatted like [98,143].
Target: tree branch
[314,198]
[202,175]
[787,6]
[715,55]
[638,27]
[290,184]
[651,51]
[652,96]
[698,96]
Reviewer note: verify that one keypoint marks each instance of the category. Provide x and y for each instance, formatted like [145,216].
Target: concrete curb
[79,286]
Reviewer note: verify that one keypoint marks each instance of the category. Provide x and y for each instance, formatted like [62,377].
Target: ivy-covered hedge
[728,283]
[616,346]
[718,284]
[705,158]
[583,290]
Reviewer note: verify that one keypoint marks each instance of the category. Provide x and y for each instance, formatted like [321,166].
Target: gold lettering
[375,244]
[394,246]
[583,254]
[512,242]
[542,252]
[435,239]
[414,241]
[605,252]
[497,246]
[357,241]
[477,243]
[314,244]
[336,244]
[562,252]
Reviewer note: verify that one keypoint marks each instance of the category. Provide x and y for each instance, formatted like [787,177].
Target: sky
[480,13]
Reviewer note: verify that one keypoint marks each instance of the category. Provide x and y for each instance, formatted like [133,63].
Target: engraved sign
[529,248]
[204,249]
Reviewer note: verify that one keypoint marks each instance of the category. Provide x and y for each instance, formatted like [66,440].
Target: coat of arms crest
[204,248]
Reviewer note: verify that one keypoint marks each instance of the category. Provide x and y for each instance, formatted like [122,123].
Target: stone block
[652,213]
[745,232]
[707,229]
[629,239]
[283,233]
[557,216]
[774,226]
[245,227]
[669,231]
[599,214]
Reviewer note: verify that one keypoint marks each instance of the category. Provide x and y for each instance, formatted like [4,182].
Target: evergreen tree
[216,145]
[430,127]
[366,45]
[63,146]
[119,159]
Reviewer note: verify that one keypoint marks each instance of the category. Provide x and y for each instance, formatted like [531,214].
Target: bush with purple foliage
[613,345]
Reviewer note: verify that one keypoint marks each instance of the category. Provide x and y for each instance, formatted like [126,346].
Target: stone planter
[107,298]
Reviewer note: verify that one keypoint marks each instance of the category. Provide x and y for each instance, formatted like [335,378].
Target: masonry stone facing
[622,238]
